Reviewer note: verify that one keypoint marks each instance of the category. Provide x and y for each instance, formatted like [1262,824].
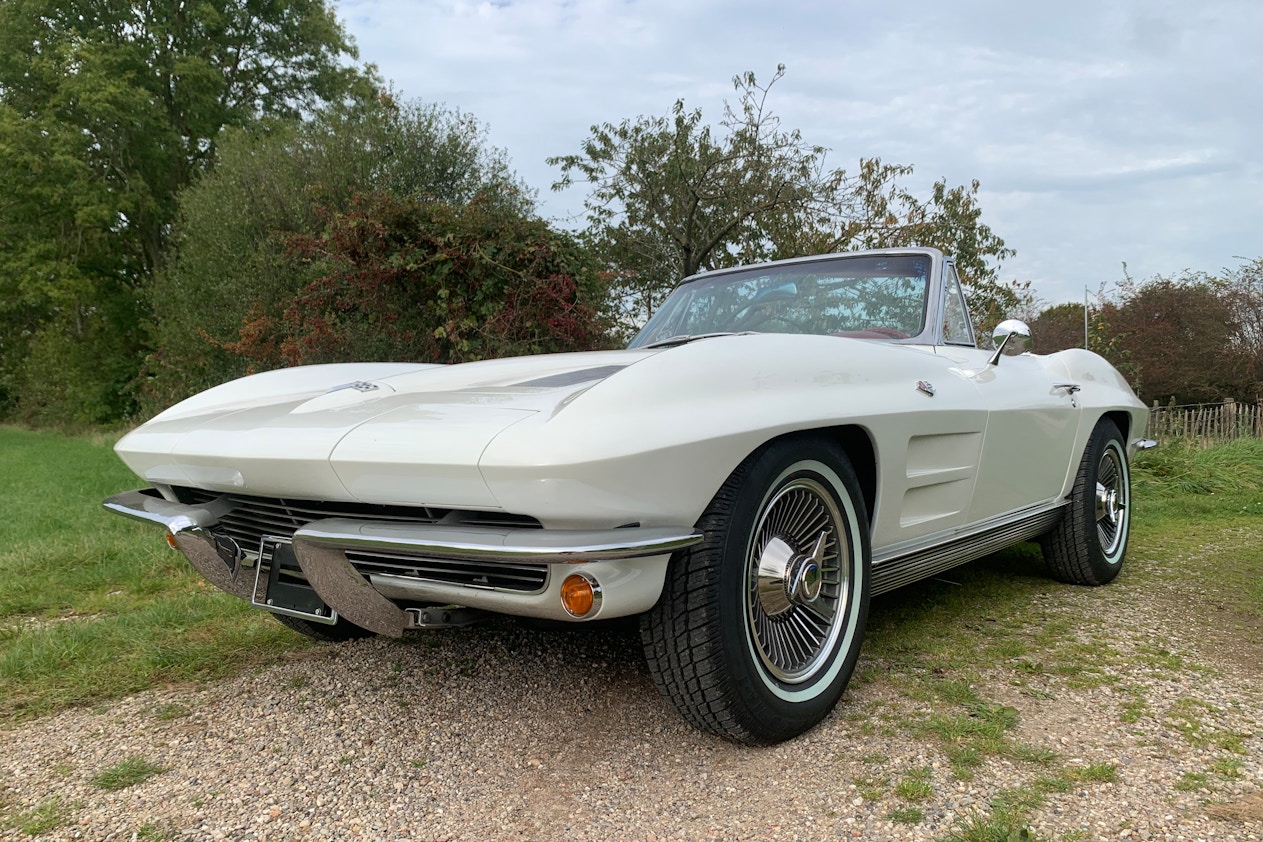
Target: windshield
[870,297]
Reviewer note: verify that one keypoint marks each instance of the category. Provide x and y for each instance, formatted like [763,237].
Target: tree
[415,279]
[671,196]
[107,109]
[873,210]
[1178,336]
[1057,328]
[1244,288]
[249,266]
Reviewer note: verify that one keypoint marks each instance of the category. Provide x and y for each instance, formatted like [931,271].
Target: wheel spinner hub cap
[799,581]
[1108,506]
[1111,501]
[787,578]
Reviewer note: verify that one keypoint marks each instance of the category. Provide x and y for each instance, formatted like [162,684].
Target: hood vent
[573,378]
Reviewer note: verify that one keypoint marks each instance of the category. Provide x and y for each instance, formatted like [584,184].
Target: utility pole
[1085,318]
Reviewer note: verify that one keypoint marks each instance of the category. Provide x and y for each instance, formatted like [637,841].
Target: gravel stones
[507,732]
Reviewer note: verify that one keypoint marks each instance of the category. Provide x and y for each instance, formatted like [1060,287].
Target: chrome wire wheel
[798,581]
[1089,543]
[759,626]
[1111,500]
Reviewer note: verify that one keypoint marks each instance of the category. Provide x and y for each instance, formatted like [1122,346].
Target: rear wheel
[335,633]
[759,627]
[1088,546]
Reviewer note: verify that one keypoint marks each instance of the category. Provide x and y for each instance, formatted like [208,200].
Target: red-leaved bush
[429,282]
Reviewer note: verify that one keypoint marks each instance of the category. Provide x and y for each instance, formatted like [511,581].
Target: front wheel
[759,627]
[1088,545]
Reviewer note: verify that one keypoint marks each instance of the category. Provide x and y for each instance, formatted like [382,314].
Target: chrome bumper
[630,562]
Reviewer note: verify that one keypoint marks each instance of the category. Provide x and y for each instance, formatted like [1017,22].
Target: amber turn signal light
[171,542]
[579,595]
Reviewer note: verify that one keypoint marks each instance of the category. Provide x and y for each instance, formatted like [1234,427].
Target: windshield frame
[930,329]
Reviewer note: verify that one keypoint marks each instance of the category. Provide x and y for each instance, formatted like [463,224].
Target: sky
[1102,132]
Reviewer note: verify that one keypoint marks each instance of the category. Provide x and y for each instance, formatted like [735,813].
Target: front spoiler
[629,561]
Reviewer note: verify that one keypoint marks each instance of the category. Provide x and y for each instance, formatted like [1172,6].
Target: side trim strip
[903,570]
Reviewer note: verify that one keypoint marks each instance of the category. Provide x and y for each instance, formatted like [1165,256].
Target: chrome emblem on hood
[357,385]
[926,387]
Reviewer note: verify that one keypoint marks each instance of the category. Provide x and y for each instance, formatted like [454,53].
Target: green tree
[1057,328]
[1244,287]
[874,210]
[249,271]
[671,196]
[107,109]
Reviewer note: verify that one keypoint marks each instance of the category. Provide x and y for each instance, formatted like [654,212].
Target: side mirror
[1011,337]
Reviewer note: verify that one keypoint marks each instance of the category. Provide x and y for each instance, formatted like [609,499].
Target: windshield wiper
[685,338]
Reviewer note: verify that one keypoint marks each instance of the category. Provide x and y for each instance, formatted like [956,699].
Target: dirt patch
[1248,809]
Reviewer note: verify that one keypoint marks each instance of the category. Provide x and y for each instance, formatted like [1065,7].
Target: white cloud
[1101,131]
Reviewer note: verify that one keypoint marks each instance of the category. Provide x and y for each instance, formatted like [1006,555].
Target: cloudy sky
[1102,131]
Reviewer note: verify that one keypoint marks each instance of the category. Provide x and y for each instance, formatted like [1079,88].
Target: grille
[253,517]
[513,577]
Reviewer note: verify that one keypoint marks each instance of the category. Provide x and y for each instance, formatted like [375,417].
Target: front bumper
[629,564]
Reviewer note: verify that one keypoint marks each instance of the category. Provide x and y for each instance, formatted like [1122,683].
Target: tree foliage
[1181,337]
[671,196]
[107,109]
[412,279]
[265,248]
[1188,338]
[1058,327]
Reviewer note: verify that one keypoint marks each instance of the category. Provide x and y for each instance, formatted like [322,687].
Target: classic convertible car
[780,443]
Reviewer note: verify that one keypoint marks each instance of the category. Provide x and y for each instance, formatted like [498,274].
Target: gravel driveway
[505,732]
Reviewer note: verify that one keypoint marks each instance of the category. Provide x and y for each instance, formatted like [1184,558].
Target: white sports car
[778,444]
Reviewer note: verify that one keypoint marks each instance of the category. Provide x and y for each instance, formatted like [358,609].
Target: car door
[1032,419]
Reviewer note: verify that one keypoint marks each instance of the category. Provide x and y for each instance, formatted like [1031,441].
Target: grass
[916,786]
[126,773]
[51,814]
[938,642]
[1191,497]
[92,606]
[906,815]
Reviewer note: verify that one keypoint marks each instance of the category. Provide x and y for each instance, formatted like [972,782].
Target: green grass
[999,826]
[936,640]
[126,773]
[1092,773]
[906,815]
[1190,497]
[92,606]
[916,786]
[1192,781]
[51,814]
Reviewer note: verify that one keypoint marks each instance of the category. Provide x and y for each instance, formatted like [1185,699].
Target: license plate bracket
[280,587]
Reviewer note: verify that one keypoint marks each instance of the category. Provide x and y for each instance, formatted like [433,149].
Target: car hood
[364,430]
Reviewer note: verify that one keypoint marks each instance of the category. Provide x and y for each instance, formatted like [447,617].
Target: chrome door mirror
[1011,337]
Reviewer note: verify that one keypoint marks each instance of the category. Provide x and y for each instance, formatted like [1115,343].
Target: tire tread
[1070,548]
[683,634]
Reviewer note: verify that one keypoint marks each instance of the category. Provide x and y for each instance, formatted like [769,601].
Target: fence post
[1229,419]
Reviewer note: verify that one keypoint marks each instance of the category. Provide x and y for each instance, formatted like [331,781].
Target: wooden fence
[1206,423]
